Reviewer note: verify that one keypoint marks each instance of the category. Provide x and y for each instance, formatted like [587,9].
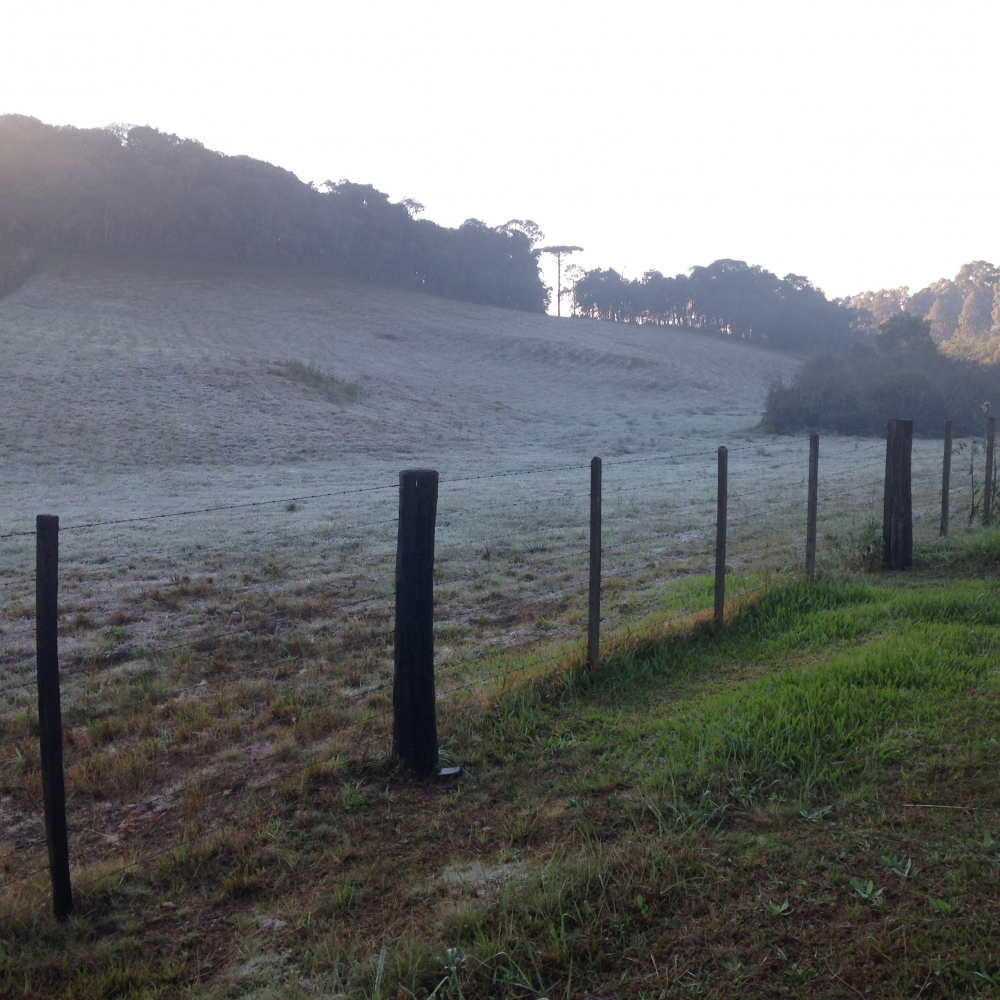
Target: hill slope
[106,371]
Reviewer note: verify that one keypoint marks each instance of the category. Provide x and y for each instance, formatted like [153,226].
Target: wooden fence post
[50,711]
[811,506]
[414,726]
[722,503]
[991,433]
[594,609]
[946,478]
[897,502]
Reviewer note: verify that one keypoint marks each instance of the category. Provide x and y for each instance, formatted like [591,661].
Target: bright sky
[854,142]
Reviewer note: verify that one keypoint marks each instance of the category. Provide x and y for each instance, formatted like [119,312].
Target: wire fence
[206,667]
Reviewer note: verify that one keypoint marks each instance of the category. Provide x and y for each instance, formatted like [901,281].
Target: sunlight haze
[848,142]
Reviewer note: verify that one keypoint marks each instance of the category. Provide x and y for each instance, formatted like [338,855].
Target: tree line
[737,299]
[963,313]
[932,356]
[898,372]
[728,297]
[133,190]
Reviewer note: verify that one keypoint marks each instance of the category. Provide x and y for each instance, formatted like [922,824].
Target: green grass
[806,804]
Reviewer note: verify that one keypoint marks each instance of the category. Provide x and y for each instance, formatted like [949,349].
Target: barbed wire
[648,539]
[301,498]
[207,510]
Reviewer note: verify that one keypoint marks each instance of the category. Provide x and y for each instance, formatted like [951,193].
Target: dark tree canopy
[903,336]
[899,373]
[964,313]
[136,191]
[729,297]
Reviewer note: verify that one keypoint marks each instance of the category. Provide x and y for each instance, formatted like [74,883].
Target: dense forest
[139,192]
[729,297]
[931,356]
[964,313]
[898,373]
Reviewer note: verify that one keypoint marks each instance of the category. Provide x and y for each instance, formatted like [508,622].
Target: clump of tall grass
[977,551]
[336,390]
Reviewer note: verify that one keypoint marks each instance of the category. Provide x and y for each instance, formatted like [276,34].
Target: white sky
[854,142]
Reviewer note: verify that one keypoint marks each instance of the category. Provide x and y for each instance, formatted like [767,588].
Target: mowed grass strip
[805,805]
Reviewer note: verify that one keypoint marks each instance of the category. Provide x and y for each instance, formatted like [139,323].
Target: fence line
[621,522]
[660,457]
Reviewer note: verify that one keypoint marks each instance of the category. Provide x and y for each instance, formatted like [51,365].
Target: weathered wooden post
[811,506]
[946,478]
[991,434]
[414,727]
[722,503]
[897,502]
[50,710]
[594,609]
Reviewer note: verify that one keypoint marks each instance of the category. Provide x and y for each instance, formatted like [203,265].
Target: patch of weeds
[814,815]
[335,390]
[523,827]
[352,798]
[242,884]
[338,898]
[896,865]
[866,891]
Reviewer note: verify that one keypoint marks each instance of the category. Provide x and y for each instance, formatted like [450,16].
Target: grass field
[236,825]
[805,805]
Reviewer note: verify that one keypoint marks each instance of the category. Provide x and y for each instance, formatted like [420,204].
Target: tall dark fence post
[594,610]
[811,506]
[722,504]
[414,727]
[991,433]
[946,478]
[897,503]
[50,711]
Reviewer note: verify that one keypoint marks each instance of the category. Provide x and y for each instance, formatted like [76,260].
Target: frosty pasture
[245,637]
[137,392]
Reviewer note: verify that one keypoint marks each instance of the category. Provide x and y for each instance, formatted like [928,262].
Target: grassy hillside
[153,369]
[126,394]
